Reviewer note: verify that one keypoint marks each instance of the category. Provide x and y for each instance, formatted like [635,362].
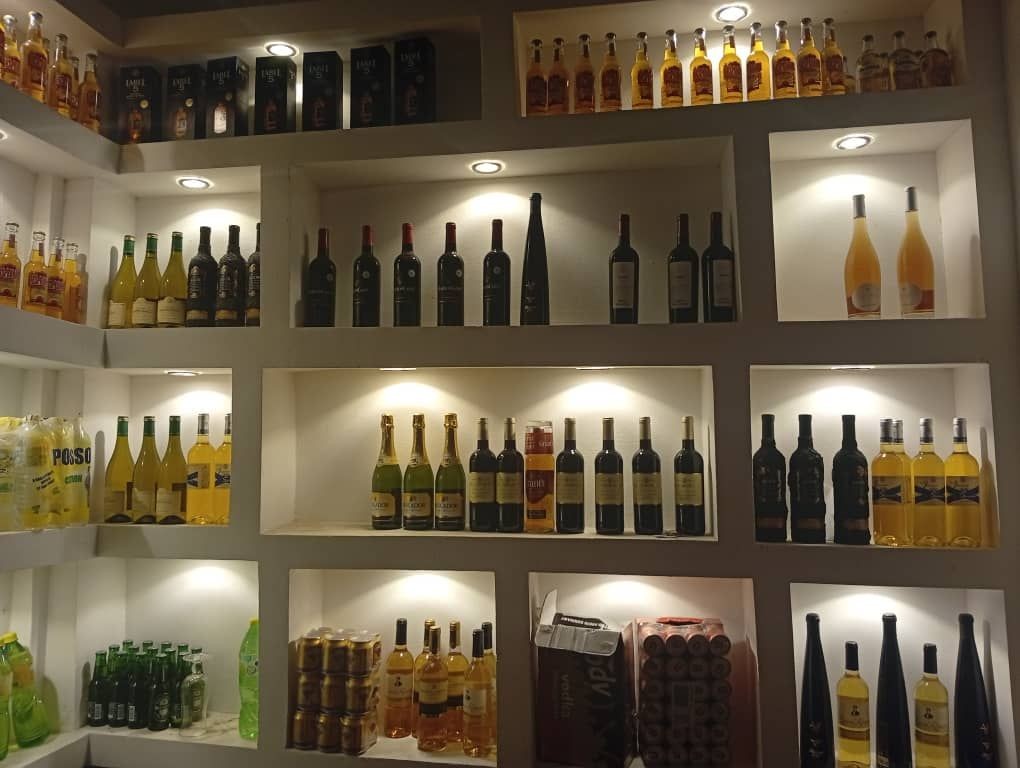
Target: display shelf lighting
[280,48]
[182,373]
[487,167]
[397,370]
[594,368]
[728,14]
[851,368]
[194,182]
[854,141]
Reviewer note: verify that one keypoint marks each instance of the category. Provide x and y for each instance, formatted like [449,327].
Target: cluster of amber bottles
[51,77]
[812,70]
[57,289]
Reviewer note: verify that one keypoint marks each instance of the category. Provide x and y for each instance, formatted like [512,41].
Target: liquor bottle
[641,95]
[817,749]
[539,478]
[173,287]
[222,474]
[872,72]
[610,84]
[570,483]
[671,75]
[731,71]
[198,497]
[320,287]
[853,713]
[850,489]
[146,296]
[915,270]
[160,695]
[892,527]
[450,282]
[892,715]
[936,65]
[75,88]
[60,79]
[456,668]
[833,66]
[387,481]
[807,497]
[904,65]
[608,484]
[646,476]
[510,482]
[559,81]
[138,705]
[83,295]
[809,63]
[496,280]
[172,485]
[367,283]
[769,480]
[201,307]
[973,727]
[702,87]
[535,275]
[584,77]
[419,662]
[10,268]
[963,492]
[433,694]
[757,68]
[407,283]
[624,269]
[862,275]
[689,485]
[931,715]
[928,475]
[146,476]
[253,283]
[231,283]
[683,275]
[90,105]
[117,491]
[55,280]
[784,65]
[399,672]
[73,287]
[12,53]
[33,289]
[419,487]
[34,60]
[479,723]
[483,512]
[450,481]
[718,267]
[95,708]
[116,713]
[491,665]
[536,87]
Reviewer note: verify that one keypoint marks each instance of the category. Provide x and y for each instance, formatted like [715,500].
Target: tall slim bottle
[173,287]
[624,279]
[853,713]
[807,496]
[915,269]
[201,303]
[496,280]
[34,60]
[450,282]
[731,71]
[559,81]
[784,65]
[928,475]
[90,105]
[10,268]
[320,288]
[769,481]
[387,480]
[11,53]
[682,275]
[809,62]
[817,747]
[757,68]
[689,485]
[610,81]
[433,695]
[483,511]
[222,474]
[456,668]
[146,476]
[419,483]
[892,714]
[253,283]
[608,484]
[702,84]
[199,501]
[33,289]
[539,478]
[146,299]
[407,282]
[872,72]
[450,482]
[419,662]
[74,287]
[584,77]
[718,266]
[570,483]
[510,482]
[60,79]
[55,280]
[963,492]
[904,65]
[850,489]
[172,486]
[931,715]
[119,471]
[479,722]
[231,283]
[888,485]
[367,283]
[862,275]
[833,62]
[646,477]
[641,94]
[399,682]
[535,275]
[936,63]
[95,709]
[973,727]
[671,75]
[536,87]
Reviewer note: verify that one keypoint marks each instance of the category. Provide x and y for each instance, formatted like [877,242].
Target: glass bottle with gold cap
[450,481]
[757,68]
[35,277]
[386,481]
[10,267]
[418,493]
[671,75]
[641,95]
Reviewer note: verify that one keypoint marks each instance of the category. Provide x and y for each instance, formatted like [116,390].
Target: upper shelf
[41,341]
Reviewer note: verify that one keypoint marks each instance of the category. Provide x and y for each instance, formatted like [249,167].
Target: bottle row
[808,72]
[51,78]
[533,493]
[972,728]
[22,712]
[58,289]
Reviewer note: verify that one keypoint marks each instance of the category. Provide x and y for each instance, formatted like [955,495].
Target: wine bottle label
[432,696]
[930,490]
[647,488]
[722,283]
[570,487]
[170,502]
[143,504]
[55,292]
[608,489]
[170,311]
[689,489]
[557,92]
[672,83]
[915,299]
[384,506]
[417,506]
[807,485]
[398,685]
[834,70]
[768,485]
[644,82]
[36,293]
[809,71]
[854,721]
[931,723]
[701,81]
[482,487]
[584,90]
[680,278]
[754,73]
[476,701]
[963,490]
[537,94]
[36,69]
[866,297]
[449,506]
[222,476]
[9,280]
[610,85]
[509,488]
[113,506]
[199,477]
[143,312]
[887,489]
[784,73]
[732,79]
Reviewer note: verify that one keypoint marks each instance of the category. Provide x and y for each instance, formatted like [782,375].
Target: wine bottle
[496,280]
[850,489]
[450,490]
[171,487]
[928,475]
[683,275]
[689,485]
[510,482]
[963,492]
[407,283]
[387,503]
[931,715]
[915,270]
[892,733]
[719,276]
[418,494]
[646,476]
[973,728]
[145,478]
[807,498]
[450,282]
[367,283]
[146,299]
[173,287]
[817,749]
[539,478]
[623,278]
[853,745]
[535,275]
[608,484]
[253,304]
[201,307]
[892,526]
[231,282]
[483,512]
[862,275]
[570,483]
[769,480]
[320,288]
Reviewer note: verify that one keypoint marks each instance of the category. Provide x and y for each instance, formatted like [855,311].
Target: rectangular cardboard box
[414,81]
[226,98]
[139,105]
[275,94]
[322,91]
[371,89]
[185,102]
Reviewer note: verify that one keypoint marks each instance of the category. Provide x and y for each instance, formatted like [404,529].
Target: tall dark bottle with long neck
[972,722]
[646,475]
[719,277]
[201,302]
[689,485]
[570,483]
[253,305]
[535,275]
[406,283]
[483,511]
[623,278]
[608,484]
[807,495]
[496,280]
[510,482]
[320,287]
[232,282]
[682,275]
[850,489]
[892,711]
[769,481]
[367,283]
[450,282]
[817,746]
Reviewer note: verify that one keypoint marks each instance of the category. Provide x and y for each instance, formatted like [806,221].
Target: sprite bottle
[27,712]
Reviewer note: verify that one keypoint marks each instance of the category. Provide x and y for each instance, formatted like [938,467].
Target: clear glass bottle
[72,286]
[399,683]
[90,105]
[479,722]
[809,62]
[584,77]
[963,492]
[558,81]
[915,268]
[862,274]
[536,87]
[194,696]
[419,662]
[10,267]
[222,474]
[731,71]
[833,62]
[931,715]
[758,69]
[199,499]
[34,277]
[122,292]
[61,79]
[610,83]
[671,75]
[11,53]
[433,695]
[784,65]
[853,743]
[702,85]
[928,475]
[34,59]
[892,528]
[872,72]
[936,64]
[904,65]
[641,94]
[456,669]
[55,280]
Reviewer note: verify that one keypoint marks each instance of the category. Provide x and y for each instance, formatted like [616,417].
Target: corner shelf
[53,546]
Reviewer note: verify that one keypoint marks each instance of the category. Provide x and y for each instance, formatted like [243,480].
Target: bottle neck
[497,235]
[451,238]
[960,445]
[757,45]
[234,241]
[625,231]
[418,443]
[387,450]
[258,237]
[407,242]
[717,233]
[450,444]
[913,221]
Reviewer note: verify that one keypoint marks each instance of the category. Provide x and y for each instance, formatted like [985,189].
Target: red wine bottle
[623,278]
[450,282]
[682,275]
[892,714]
[608,484]
[367,283]
[972,721]
[570,483]
[201,303]
[510,482]
[496,280]
[850,489]
[483,512]
[646,473]
[817,747]
[407,283]
[535,275]
[769,480]
[719,277]
[807,495]
[253,305]
[231,282]
[320,288]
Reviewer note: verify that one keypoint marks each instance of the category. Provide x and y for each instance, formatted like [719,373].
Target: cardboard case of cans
[336,695]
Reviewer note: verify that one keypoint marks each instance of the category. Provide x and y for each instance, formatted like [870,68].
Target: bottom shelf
[61,750]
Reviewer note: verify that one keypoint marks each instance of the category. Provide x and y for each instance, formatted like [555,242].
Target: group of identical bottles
[973,729]
[22,712]
[227,294]
[442,700]
[52,78]
[511,493]
[920,501]
[169,491]
[58,289]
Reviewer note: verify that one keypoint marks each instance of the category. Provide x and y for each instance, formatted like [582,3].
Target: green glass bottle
[419,487]
[386,482]
[159,695]
[450,481]
[95,714]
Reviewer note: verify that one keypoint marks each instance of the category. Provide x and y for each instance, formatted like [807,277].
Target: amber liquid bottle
[784,65]
[399,685]
[456,669]
[558,102]
[536,87]
[479,733]
[584,78]
[809,62]
[641,95]
[433,695]
[671,75]
[702,86]
[34,60]
[610,85]
[419,662]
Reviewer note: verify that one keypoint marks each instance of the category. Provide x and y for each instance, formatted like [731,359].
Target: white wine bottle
[862,275]
[117,493]
[143,308]
[853,745]
[173,287]
[963,492]
[146,476]
[200,476]
[915,270]
[173,480]
[122,292]
[221,474]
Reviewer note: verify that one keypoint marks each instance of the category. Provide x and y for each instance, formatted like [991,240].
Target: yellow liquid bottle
[419,662]
[853,740]
[10,268]
[12,53]
[72,285]
[433,695]
[809,62]
[758,68]
[34,60]
[559,81]
[731,70]
[929,481]
[490,664]
[584,77]
[221,489]
[78,481]
[172,485]
[536,87]
[90,103]
[833,62]
[702,86]
[936,63]
[479,724]
[888,483]
[963,492]
[931,715]
[456,669]
[173,287]
[122,292]
[75,87]
[915,268]
[61,79]
[641,94]
[862,275]
[784,65]
[905,470]
[55,280]
[199,496]
[610,84]
[146,476]
[83,274]
[904,65]
[35,277]
[399,683]
[119,473]
[671,75]
[146,298]
[539,478]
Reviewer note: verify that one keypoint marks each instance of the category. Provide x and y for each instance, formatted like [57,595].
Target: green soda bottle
[5,700]
[30,724]
[248,683]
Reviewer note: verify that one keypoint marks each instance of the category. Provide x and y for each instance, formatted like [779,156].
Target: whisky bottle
[718,267]
[173,287]
[769,481]
[231,283]
[75,99]
[510,482]
[915,269]
[407,283]
[478,721]
[253,283]
[399,675]
[222,474]
[536,87]
[146,298]
[146,476]
[892,528]
[570,483]
[624,282]
[199,494]
[610,84]
[535,274]
[646,476]
[539,478]
[10,267]
[34,277]
[641,95]
[419,662]
[809,63]
[450,282]
[807,496]
[931,715]
[419,486]
[892,714]
[201,304]
[559,81]
[850,489]
[936,65]
[171,487]
[853,713]
[928,474]
[55,280]
[72,286]
[320,287]
[584,77]
[784,65]
[963,492]
[483,512]
[11,53]
[671,75]
[862,275]
[90,107]
[682,275]
[872,71]
[367,283]
[608,484]
[973,727]
[433,694]
[817,747]
[450,482]
[387,481]
[833,66]
[702,87]
[61,79]
[731,71]
[689,485]
[34,60]
[117,490]
[904,65]
[496,280]
[758,69]
[456,669]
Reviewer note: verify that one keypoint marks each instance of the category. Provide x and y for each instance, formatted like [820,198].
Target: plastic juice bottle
[33,474]
[27,711]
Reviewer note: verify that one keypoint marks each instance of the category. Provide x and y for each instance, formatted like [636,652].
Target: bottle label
[647,488]
[608,489]
[449,506]
[914,299]
[9,280]
[784,74]
[37,69]
[680,288]
[732,79]
[570,487]
[170,502]
[398,686]
[143,312]
[866,297]
[768,485]
[384,506]
[36,293]
[854,722]
[807,485]
[509,488]
[143,504]
[834,70]
[113,505]
[931,723]
[672,83]
[455,690]
[963,490]
[482,487]
[62,88]
[809,70]
[536,93]
[610,85]
[538,485]
[55,292]
[222,476]
[199,477]
[722,283]
[132,713]
[476,701]
[701,79]
[623,285]
[887,489]
[417,506]
[117,315]
[584,91]
[644,81]
[689,489]
[432,696]
[930,490]
[557,92]
[170,311]
[754,77]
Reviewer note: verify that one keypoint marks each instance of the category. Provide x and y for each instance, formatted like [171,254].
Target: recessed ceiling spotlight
[278,48]
[391,370]
[487,167]
[183,374]
[851,368]
[731,13]
[194,182]
[854,141]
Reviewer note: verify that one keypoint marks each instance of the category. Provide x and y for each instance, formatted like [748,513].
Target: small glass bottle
[936,64]
[10,267]
[702,87]
[536,87]
[11,53]
[784,65]
[559,81]
[963,492]
[34,60]
[809,63]
[610,86]
[833,62]
[904,65]
[584,77]
[757,68]
[872,73]
[34,278]
[641,94]
[671,75]
[61,79]
[731,72]
[90,96]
